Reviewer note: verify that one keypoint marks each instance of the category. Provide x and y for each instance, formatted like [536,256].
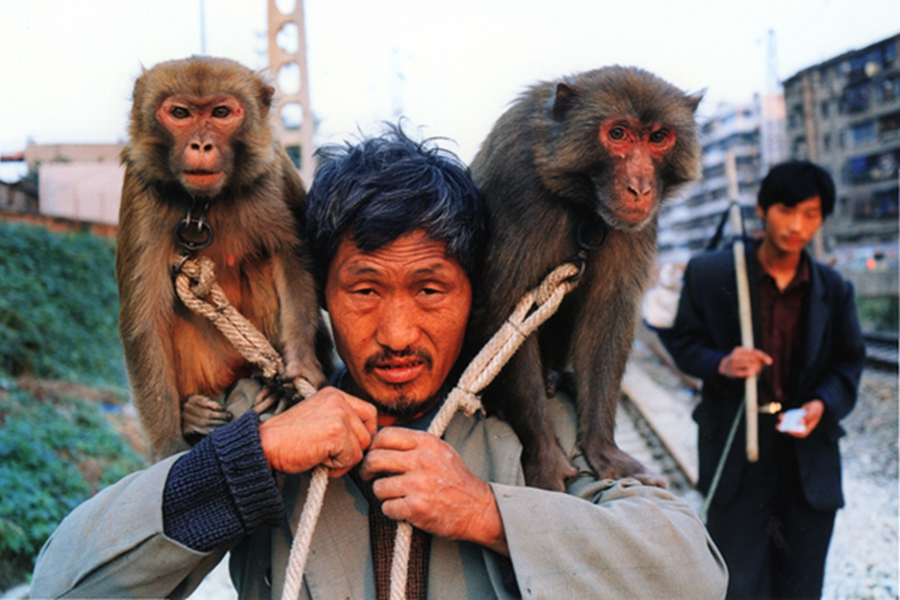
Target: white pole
[744,309]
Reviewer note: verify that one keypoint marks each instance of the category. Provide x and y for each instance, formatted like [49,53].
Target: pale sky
[67,66]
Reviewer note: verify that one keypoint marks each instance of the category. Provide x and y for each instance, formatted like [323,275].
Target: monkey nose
[207,147]
[640,190]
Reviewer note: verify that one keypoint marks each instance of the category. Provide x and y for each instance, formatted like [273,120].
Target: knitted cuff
[222,489]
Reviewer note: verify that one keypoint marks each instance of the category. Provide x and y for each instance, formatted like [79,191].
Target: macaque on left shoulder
[204,176]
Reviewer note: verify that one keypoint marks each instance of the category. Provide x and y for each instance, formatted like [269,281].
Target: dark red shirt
[781,321]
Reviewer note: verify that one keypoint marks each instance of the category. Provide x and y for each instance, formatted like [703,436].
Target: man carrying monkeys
[395,229]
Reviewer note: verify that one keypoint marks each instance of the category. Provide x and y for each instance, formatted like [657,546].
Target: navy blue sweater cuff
[222,489]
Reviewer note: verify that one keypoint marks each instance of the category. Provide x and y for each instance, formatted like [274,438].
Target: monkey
[577,169]
[204,176]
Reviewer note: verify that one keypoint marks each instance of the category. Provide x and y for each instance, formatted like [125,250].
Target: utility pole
[293,118]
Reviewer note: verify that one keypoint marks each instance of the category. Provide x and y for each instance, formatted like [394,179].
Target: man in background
[773,519]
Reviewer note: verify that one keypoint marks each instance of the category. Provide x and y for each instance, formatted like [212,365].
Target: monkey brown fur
[199,135]
[609,144]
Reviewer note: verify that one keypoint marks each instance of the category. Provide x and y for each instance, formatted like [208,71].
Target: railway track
[654,424]
[881,349]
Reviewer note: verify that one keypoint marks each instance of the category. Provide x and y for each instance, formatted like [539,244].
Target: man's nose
[397,327]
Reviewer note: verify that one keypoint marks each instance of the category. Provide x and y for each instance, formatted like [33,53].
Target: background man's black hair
[792,182]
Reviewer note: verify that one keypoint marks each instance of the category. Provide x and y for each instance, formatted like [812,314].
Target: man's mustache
[387,355]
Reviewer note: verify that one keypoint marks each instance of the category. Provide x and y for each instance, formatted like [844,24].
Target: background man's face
[790,228]
[399,316]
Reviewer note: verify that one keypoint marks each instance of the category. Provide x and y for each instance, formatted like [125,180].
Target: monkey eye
[658,137]
[220,112]
[180,112]
[617,133]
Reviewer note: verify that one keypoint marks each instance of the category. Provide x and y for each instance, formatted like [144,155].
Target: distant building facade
[844,114]
[753,133]
[77,184]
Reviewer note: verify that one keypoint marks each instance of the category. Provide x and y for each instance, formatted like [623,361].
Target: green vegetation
[58,321]
[878,313]
[59,306]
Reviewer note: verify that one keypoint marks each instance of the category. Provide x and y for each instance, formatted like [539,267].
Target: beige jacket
[605,539]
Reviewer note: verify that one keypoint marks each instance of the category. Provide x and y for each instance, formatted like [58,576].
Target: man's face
[399,316]
[790,228]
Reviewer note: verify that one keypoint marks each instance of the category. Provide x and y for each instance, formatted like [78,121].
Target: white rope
[480,372]
[476,377]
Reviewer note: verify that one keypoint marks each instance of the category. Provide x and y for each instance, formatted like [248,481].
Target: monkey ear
[565,98]
[694,101]
[266,92]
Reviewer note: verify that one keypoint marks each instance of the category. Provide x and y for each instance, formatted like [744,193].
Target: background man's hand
[814,410]
[426,483]
[330,428]
[744,362]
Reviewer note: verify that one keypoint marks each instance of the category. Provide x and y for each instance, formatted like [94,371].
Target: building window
[889,127]
[880,205]
[824,109]
[871,168]
[826,142]
[855,99]
[862,133]
[888,89]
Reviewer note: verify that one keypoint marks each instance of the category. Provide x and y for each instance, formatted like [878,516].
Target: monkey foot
[548,470]
[612,463]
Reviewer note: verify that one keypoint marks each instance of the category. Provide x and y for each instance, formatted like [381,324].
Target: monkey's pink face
[399,316]
[201,155]
[637,149]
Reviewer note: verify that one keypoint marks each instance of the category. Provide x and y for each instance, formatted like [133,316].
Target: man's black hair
[794,181]
[384,187]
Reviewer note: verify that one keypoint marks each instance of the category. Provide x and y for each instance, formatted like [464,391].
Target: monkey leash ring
[183,232]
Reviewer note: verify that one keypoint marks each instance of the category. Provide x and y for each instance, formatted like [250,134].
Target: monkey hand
[306,367]
[609,462]
[421,479]
[329,428]
[200,415]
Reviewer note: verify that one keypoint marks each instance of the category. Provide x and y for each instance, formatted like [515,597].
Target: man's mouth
[397,368]
[399,371]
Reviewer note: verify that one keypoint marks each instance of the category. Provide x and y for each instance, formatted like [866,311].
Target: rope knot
[465,401]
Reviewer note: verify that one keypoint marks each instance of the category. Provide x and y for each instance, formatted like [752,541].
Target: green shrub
[59,306]
[54,454]
[878,313]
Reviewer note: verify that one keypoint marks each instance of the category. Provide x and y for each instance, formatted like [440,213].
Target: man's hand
[426,483]
[744,362]
[329,428]
[814,410]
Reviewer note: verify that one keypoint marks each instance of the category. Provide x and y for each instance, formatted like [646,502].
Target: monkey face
[201,155]
[399,315]
[630,195]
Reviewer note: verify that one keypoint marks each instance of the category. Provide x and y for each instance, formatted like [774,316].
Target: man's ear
[760,212]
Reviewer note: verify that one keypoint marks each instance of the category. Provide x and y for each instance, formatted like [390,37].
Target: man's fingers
[367,413]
